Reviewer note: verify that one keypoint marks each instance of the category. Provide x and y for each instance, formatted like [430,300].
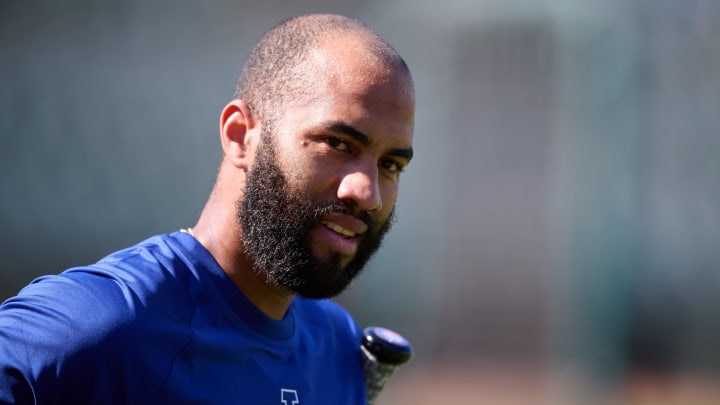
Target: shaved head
[281,67]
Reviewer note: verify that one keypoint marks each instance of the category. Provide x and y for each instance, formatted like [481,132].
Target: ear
[239,131]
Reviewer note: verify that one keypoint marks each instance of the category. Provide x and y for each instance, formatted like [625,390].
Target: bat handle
[383,351]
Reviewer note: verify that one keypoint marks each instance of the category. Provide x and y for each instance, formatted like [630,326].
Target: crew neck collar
[240,309]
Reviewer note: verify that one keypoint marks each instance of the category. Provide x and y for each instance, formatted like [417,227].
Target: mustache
[339,207]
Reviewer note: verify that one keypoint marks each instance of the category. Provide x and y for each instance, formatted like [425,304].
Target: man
[232,310]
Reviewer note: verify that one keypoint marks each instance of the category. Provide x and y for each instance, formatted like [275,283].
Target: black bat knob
[383,351]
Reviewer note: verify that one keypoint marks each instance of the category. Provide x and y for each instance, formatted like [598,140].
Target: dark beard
[276,223]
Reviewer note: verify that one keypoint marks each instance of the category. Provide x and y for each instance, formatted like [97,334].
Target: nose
[360,188]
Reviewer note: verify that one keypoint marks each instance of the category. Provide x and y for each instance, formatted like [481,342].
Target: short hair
[274,72]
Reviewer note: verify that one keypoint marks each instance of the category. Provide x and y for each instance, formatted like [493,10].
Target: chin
[324,281]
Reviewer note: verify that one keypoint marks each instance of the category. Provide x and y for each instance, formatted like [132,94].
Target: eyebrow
[349,130]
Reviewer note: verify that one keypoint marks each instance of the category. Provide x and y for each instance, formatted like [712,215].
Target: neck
[218,231]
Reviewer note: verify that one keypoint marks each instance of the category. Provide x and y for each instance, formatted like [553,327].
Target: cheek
[389,195]
[305,164]
[314,177]
[298,167]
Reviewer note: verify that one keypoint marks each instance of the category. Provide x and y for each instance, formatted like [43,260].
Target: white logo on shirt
[289,397]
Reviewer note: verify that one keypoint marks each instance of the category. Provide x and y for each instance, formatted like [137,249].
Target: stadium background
[559,229]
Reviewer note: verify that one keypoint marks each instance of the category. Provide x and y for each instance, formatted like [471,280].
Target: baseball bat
[383,351]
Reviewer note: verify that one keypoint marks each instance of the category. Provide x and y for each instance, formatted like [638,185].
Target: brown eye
[391,165]
[338,144]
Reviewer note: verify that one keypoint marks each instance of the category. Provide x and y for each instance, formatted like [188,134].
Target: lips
[343,224]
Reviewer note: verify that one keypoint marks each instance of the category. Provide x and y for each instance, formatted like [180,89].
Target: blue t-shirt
[161,322]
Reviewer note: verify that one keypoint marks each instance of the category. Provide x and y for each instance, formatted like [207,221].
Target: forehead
[348,83]
[355,61]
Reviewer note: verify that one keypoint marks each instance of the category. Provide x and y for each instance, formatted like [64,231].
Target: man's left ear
[239,131]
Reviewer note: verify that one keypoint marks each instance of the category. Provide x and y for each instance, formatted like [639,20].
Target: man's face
[277,222]
[321,194]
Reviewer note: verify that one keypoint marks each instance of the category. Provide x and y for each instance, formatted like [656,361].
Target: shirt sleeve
[47,330]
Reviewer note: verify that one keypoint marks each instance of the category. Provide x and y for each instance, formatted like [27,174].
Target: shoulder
[61,327]
[86,301]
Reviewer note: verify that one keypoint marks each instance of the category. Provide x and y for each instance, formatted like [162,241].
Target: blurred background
[559,229]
